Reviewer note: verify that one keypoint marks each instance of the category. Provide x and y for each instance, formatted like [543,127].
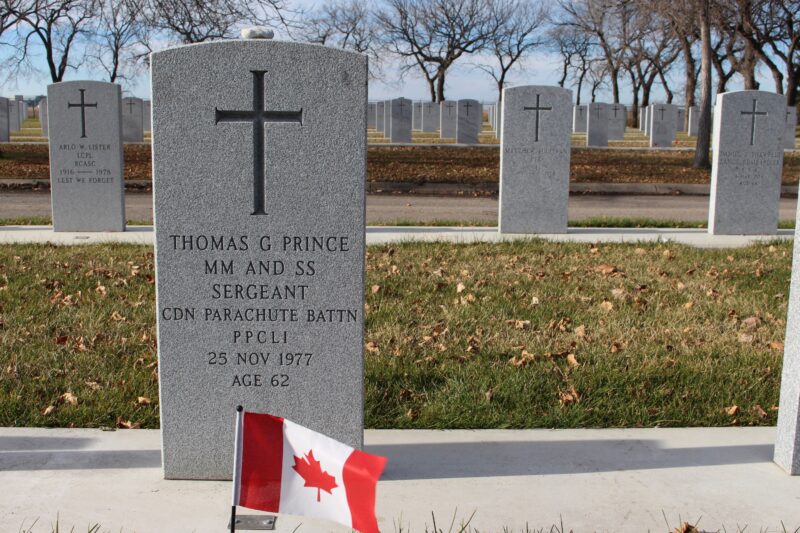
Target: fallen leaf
[605,305]
[733,410]
[69,398]
[569,396]
[573,361]
[580,331]
[127,424]
[375,289]
[48,410]
[143,400]
[116,317]
[605,269]
[616,347]
[776,345]
[535,300]
[489,395]
[751,323]
[460,287]
[372,347]
[745,338]
[688,305]
[759,411]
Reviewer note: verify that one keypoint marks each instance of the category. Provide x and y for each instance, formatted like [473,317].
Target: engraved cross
[753,115]
[537,109]
[83,105]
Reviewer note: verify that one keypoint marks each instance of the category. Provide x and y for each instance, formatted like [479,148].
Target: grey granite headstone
[23,109]
[534,159]
[372,119]
[430,116]
[147,108]
[470,117]
[13,115]
[259,171]
[43,116]
[416,116]
[5,130]
[401,120]
[617,121]
[448,122]
[380,117]
[747,146]
[663,125]
[86,171]
[387,118]
[579,119]
[132,120]
[597,124]
[681,119]
[790,135]
[694,121]
[642,117]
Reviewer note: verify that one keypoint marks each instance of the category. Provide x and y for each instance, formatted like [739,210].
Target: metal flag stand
[248,522]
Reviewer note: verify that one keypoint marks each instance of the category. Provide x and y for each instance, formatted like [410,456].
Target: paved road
[393,208]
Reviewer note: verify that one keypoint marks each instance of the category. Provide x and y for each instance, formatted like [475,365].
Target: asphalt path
[394,208]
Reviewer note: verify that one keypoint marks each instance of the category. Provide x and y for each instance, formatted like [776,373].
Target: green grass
[457,336]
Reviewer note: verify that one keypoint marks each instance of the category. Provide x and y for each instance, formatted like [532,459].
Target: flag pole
[237,464]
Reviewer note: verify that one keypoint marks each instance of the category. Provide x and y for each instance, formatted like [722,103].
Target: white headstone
[416,116]
[790,135]
[147,111]
[681,119]
[5,129]
[43,115]
[747,148]
[13,115]
[470,116]
[132,120]
[534,159]
[617,121]
[579,119]
[430,116]
[380,117]
[400,123]
[597,124]
[663,125]
[372,119]
[694,120]
[448,119]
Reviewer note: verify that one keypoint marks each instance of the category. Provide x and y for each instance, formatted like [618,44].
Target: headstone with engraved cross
[259,171]
[147,112]
[663,125]
[380,117]
[5,130]
[694,121]
[43,115]
[790,135]
[534,159]
[448,122]
[132,120]
[747,146]
[13,115]
[372,121]
[597,124]
[681,122]
[470,117]
[430,117]
[86,172]
[579,119]
[416,116]
[617,121]
[400,124]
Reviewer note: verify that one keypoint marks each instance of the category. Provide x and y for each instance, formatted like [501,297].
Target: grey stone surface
[372,119]
[694,120]
[416,116]
[5,130]
[534,160]
[470,117]
[747,146]
[790,135]
[430,117]
[642,117]
[387,117]
[617,121]
[147,108]
[292,203]
[400,110]
[86,168]
[663,125]
[647,117]
[257,32]
[579,119]
[597,124]
[380,117]
[23,108]
[13,115]
[681,119]
[448,123]
[43,115]
[132,120]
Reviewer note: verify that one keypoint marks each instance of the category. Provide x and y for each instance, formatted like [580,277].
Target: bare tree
[681,17]
[118,36]
[57,25]
[431,35]
[575,48]
[520,22]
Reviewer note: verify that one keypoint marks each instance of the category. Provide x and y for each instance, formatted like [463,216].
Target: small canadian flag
[283,467]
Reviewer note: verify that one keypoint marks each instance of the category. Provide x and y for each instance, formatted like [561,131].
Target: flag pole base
[254,522]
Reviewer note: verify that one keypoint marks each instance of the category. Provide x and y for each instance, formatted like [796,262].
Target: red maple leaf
[311,471]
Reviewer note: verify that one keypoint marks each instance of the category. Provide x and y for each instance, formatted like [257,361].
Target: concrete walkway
[395,234]
[594,480]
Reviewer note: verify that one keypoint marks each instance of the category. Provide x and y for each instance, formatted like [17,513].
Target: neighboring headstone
[13,115]
[617,121]
[470,116]
[648,120]
[430,117]
[259,179]
[747,148]
[534,160]
[43,115]
[498,120]
[790,135]
[86,171]
[642,117]
[579,119]
[400,109]
[597,124]
[416,116]
[5,129]
[681,119]
[23,109]
[663,125]
[132,120]
[372,119]
[694,121]
[147,108]
[387,118]
[448,125]
[380,117]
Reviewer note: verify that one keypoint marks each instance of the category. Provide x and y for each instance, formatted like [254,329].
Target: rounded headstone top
[257,32]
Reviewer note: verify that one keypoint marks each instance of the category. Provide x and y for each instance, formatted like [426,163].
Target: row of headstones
[461,120]
[134,115]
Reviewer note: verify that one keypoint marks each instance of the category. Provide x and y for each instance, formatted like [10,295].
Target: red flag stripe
[262,461]
[361,473]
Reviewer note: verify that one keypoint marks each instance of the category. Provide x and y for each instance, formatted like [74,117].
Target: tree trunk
[440,85]
[702,157]
[665,84]
[614,74]
[690,81]
[748,67]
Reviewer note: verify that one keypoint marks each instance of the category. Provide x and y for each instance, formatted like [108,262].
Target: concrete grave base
[593,480]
